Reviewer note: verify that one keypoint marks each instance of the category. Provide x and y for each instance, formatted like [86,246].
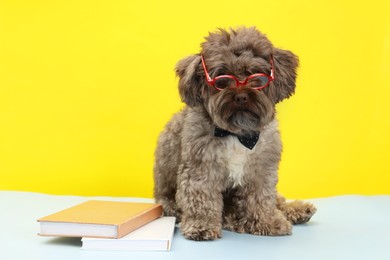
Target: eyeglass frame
[211,81]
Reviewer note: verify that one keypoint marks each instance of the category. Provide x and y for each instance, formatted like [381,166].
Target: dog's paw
[197,231]
[280,227]
[202,234]
[274,223]
[275,227]
[299,212]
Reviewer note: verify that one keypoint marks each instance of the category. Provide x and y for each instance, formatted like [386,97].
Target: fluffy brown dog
[217,160]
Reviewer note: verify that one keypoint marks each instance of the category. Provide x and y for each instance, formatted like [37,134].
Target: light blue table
[345,227]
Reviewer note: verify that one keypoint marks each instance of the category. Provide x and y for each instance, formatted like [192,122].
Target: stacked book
[112,225]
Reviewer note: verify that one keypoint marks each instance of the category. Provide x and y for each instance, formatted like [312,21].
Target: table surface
[345,227]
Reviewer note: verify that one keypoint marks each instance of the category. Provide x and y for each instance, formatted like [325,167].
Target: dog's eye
[258,81]
[224,82]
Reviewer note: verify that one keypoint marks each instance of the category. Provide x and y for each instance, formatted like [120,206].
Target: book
[98,218]
[154,236]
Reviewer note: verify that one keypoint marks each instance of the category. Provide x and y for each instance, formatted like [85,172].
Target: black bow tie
[248,141]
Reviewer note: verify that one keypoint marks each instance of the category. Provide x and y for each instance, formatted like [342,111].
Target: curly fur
[208,182]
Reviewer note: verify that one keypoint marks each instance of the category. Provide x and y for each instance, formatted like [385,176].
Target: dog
[216,161]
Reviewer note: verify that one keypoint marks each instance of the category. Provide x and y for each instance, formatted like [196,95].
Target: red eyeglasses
[256,81]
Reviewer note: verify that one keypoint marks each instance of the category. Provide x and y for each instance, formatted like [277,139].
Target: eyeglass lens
[258,81]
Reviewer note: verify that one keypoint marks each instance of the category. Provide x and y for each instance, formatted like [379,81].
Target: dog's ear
[190,85]
[285,66]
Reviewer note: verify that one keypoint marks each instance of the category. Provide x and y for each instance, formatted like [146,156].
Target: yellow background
[86,87]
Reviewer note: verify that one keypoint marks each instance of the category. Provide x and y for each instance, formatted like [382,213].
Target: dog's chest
[236,157]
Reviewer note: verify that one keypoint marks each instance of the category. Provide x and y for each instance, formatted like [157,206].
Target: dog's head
[246,56]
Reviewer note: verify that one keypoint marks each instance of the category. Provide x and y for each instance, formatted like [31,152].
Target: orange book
[96,218]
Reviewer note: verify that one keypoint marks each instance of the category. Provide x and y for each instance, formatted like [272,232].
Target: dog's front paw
[298,212]
[276,225]
[196,230]
[276,228]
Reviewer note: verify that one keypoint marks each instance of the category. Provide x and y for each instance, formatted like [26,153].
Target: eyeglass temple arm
[209,80]
[271,61]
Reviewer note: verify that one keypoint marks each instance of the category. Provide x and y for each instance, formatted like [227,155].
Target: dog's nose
[241,98]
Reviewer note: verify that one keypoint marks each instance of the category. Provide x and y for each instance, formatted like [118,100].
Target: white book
[155,236]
